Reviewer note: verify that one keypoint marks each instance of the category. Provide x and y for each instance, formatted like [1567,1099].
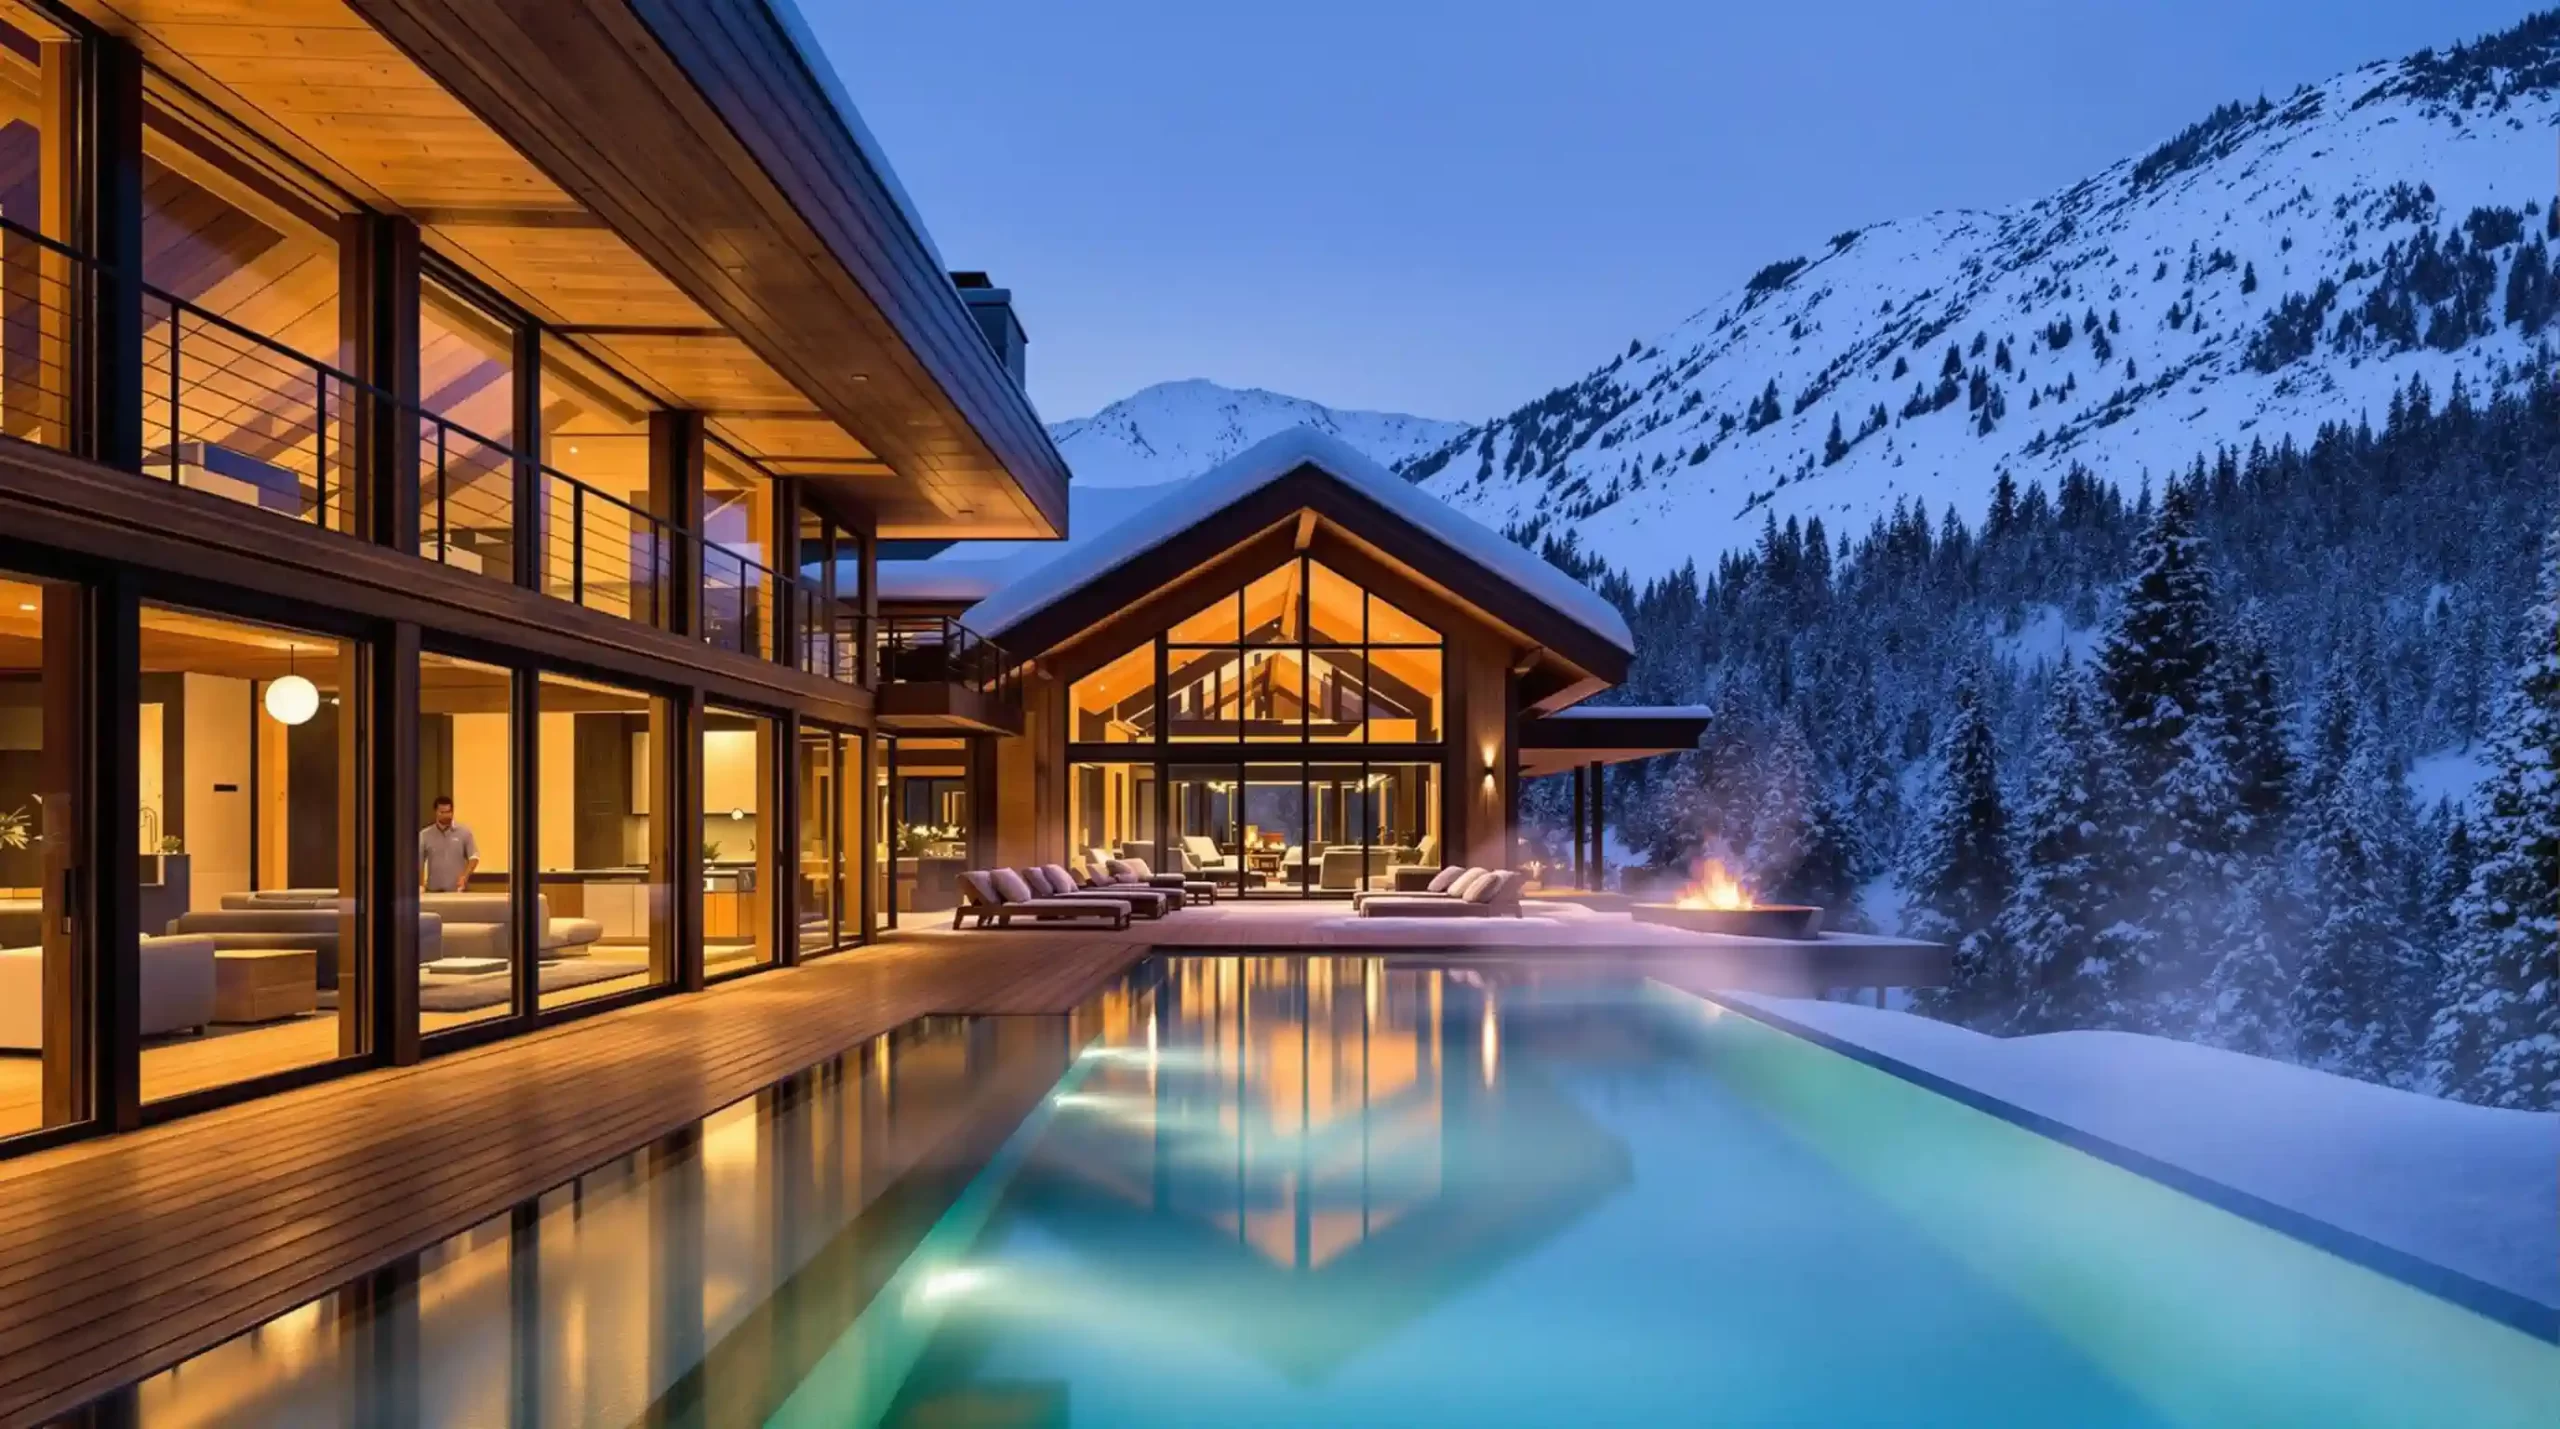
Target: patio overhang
[1608,734]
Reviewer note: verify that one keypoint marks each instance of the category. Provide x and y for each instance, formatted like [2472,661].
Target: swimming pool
[1247,1191]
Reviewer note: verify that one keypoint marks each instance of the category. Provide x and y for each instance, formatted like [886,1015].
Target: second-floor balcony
[227,411]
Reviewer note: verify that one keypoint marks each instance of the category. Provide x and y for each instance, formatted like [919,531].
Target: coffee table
[264,984]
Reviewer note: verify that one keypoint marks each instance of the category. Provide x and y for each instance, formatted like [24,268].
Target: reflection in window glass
[466,856]
[466,468]
[819,894]
[603,864]
[227,257]
[1111,813]
[250,766]
[930,802]
[1116,704]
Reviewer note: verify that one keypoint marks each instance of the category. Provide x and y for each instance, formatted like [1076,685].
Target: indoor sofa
[175,995]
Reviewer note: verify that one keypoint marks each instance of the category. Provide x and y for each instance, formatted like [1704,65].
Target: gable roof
[1335,470]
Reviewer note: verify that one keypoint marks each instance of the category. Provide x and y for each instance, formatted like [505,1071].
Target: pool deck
[123,1255]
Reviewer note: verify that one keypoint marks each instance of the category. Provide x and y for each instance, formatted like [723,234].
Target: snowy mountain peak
[1176,430]
[2271,268]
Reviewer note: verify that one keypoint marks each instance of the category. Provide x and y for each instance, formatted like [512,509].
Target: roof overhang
[702,136]
[1306,491]
[1606,734]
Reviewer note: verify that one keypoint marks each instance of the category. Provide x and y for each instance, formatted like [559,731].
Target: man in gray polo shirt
[447,853]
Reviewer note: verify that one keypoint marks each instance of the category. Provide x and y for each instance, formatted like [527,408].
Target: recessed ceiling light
[26,605]
[862,377]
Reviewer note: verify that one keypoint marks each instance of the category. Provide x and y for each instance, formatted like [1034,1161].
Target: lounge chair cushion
[1009,885]
[1419,905]
[1459,886]
[1038,878]
[1440,881]
[980,885]
[1121,870]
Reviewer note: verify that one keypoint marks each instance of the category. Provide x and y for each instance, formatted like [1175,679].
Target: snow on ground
[2447,774]
[2042,637]
[2473,1189]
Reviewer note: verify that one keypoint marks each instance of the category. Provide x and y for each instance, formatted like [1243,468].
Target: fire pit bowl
[1791,921]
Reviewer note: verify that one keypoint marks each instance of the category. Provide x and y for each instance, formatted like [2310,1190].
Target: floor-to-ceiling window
[1296,733]
[929,802]
[466,865]
[819,893]
[602,925]
[738,838]
[39,76]
[251,748]
[40,723]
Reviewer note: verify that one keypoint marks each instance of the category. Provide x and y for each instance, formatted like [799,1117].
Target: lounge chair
[1122,871]
[1480,893]
[1050,881]
[1001,895]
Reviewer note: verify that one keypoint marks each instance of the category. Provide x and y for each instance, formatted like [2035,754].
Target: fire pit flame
[1716,887]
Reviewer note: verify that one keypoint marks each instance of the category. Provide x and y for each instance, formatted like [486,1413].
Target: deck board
[121,1256]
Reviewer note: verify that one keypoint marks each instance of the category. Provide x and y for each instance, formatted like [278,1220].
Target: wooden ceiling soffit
[698,135]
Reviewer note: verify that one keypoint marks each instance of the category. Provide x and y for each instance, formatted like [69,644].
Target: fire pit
[1767,920]
[1719,903]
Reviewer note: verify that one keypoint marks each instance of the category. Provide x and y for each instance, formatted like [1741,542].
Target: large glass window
[466,863]
[737,842]
[250,749]
[600,547]
[466,465]
[824,755]
[1299,656]
[39,728]
[39,66]
[929,803]
[245,272]
[603,862]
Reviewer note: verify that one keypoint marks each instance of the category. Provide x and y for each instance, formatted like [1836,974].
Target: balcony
[937,674]
[229,412]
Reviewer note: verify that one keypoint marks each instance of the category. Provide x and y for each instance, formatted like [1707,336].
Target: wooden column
[112,855]
[1580,815]
[378,323]
[863,785]
[869,597]
[675,497]
[108,410]
[533,517]
[391,990]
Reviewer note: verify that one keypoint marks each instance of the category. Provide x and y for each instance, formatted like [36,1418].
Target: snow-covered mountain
[2274,267]
[1176,430]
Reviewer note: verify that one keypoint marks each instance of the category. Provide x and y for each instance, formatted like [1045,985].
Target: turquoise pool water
[1355,1191]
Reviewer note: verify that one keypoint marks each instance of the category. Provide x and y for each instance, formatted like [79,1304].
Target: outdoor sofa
[999,896]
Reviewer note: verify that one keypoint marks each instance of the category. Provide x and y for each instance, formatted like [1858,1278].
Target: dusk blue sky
[1448,208]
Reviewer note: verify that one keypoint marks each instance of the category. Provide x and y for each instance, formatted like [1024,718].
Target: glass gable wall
[1330,697]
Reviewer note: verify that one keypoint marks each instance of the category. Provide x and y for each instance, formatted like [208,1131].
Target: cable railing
[737,600]
[44,286]
[241,415]
[924,649]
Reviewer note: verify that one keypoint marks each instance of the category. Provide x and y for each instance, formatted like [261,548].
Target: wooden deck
[121,1256]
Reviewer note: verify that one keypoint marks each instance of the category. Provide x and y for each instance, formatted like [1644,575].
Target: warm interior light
[292,700]
[1715,888]
[26,605]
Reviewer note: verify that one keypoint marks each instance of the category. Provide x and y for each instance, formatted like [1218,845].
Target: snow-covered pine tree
[2496,1039]
[1956,872]
[2355,951]
[2254,721]
[2060,923]
[2160,670]
[2244,1004]
[1789,785]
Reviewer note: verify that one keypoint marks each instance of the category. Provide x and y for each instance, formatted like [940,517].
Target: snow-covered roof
[813,55]
[941,580]
[1633,712]
[1262,464]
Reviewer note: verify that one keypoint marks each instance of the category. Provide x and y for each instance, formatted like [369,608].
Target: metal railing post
[577,543]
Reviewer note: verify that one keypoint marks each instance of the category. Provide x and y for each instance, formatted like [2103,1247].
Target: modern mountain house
[448,451]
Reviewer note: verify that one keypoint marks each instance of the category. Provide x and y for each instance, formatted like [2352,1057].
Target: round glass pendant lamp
[293,699]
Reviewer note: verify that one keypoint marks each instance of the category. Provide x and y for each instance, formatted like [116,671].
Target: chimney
[993,308]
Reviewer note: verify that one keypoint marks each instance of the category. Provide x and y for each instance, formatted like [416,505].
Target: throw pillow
[1440,881]
[1060,881]
[1139,867]
[980,886]
[1121,872]
[1010,885]
[1041,884]
[1484,889]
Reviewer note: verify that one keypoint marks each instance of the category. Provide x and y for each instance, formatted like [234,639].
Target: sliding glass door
[42,1048]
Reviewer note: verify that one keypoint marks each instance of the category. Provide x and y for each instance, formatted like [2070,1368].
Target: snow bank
[2473,1189]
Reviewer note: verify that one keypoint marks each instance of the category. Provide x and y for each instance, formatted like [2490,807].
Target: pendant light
[293,699]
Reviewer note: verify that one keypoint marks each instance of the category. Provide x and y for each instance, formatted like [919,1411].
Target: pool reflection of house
[1301,1155]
